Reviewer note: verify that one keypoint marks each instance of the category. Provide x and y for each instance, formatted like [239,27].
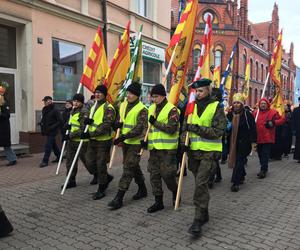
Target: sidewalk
[264,214]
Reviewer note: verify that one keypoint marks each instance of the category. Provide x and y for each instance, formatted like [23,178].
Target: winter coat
[296,121]
[246,133]
[267,135]
[4,126]
[51,120]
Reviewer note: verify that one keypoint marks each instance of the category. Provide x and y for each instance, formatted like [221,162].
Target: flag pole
[67,132]
[78,150]
[263,94]
[164,83]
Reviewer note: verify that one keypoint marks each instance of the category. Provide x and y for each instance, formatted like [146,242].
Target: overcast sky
[289,20]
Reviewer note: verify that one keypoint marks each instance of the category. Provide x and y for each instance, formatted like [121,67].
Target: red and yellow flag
[278,102]
[246,85]
[119,67]
[275,66]
[183,36]
[217,77]
[96,65]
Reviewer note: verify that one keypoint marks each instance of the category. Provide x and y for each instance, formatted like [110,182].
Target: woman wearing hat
[242,139]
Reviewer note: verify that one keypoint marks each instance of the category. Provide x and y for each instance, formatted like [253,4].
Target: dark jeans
[239,173]
[49,146]
[263,151]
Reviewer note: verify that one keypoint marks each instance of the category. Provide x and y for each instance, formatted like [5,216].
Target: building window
[142,7]
[250,97]
[255,96]
[67,65]
[262,73]
[8,57]
[244,63]
[196,57]
[251,69]
[256,71]
[218,58]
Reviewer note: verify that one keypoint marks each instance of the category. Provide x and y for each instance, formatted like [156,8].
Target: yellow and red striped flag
[278,102]
[183,36]
[119,67]
[96,65]
[275,66]
[217,77]
[246,85]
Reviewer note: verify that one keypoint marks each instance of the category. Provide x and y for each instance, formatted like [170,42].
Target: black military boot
[141,193]
[117,202]
[261,174]
[71,184]
[94,181]
[5,228]
[100,192]
[109,179]
[158,205]
[195,228]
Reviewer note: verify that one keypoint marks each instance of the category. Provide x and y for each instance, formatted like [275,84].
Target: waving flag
[183,38]
[246,85]
[217,77]
[278,102]
[96,66]
[275,66]
[117,72]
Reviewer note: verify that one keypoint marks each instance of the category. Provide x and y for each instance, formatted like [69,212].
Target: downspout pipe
[104,14]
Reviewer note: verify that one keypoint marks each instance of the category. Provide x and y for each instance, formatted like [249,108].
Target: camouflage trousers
[131,167]
[162,164]
[97,157]
[201,167]
[71,151]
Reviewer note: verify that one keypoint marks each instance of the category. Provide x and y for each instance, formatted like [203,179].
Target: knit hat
[78,97]
[134,88]
[102,89]
[238,97]
[201,83]
[158,89]
[46,98]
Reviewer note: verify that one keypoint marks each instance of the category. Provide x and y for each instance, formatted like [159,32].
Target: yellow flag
[217,77]
[228,83]
[275,66]
[246,85]
[278,102]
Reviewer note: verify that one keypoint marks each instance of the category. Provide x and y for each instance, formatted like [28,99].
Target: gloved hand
[144,144]
[269,124]
[88,121]
[184,148]
[66,137]
[152,119]
[119,140]
[118,125]
[85,135]
[191,127]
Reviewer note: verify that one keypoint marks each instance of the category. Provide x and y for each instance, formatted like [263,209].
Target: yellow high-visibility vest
[130,121]
[75,125]
[158,139]
[98,119]
[199,143]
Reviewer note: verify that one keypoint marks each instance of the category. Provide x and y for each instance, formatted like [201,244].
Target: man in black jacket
[50,124]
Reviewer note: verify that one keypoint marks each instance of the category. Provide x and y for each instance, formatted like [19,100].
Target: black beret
[134,88]
[158,89]
[78,97]
[102,89]
[201,83]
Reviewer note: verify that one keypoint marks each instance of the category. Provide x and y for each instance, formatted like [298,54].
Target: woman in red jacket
[266,122]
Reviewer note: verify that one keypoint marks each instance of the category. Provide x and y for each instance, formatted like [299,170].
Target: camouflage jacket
[173,119]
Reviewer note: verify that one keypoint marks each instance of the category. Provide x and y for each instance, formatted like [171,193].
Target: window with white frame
[142,7]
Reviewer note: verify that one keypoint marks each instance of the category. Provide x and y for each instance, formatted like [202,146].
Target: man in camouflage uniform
[162,143]
[76,127]
[206,130]
[100,139]
[134,117]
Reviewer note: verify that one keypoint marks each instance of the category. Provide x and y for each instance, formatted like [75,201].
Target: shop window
[10,91]
[67,59]
[8,47]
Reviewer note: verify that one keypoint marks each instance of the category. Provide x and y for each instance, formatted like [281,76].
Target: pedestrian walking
[296,128]
[242,139]
[266,123]
[134,117]
[66,116]
[162,143]
[5,226]
[5,140]
[287,130]
[51,123]
[100,139]
[76,127]
[206,130]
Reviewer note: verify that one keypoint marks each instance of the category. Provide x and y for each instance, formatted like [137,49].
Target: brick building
[255,41]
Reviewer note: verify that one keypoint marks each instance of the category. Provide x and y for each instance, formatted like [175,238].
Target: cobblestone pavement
[264,214]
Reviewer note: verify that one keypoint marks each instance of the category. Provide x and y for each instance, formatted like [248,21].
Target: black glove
[85,135]
[191,127]
[184,148]
[152,119]
[144,144]
[119,140]
[88,121]
[66,137]
[118,125]
[269,124]
[67,126]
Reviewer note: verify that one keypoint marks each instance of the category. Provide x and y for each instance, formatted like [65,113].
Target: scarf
[233,139]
